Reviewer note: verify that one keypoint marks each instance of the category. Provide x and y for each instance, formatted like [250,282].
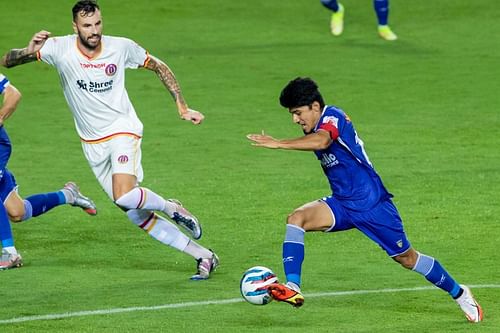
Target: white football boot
[469,306]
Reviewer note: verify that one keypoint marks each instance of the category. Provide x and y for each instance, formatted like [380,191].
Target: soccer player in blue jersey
[381,9]
[359,198]
[13,207]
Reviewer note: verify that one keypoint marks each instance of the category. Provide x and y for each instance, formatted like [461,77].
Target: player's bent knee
[16,217]
[296,218]
[407,260]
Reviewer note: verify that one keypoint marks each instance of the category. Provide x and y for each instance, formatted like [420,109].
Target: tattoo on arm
[167,77]
[17,57]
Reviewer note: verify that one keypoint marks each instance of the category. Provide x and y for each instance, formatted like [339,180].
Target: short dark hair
[299,92]
[84,6]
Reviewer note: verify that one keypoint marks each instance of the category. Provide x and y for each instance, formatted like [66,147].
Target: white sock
[143,198]
[159,228]
[197,251]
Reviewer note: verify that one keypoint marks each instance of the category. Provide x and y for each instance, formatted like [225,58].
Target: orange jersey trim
[148,58]
[86,56]
[109,137]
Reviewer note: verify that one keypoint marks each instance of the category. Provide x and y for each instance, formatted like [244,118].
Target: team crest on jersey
[122,159]
[110,69]
[331,120]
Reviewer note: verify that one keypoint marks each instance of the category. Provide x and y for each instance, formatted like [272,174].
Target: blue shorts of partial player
[7,185]
[382,224]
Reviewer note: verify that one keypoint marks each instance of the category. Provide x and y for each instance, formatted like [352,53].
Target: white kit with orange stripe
[95,88]
[95,91]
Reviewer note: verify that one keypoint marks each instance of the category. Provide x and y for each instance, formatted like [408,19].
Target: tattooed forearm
[17,57]
[167,77]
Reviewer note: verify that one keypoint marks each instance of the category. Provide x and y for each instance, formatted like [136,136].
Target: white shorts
[120,154]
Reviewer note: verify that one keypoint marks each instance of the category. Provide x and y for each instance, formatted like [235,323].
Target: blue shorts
[381,224]
[7,185]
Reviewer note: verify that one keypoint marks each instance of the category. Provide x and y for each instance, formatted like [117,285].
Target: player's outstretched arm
[11,97]
[315,141]
[21,56]
[167,77]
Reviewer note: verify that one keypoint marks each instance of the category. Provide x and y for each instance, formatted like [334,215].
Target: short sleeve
[136,55]
[50,51]
[4,83]
[330,124]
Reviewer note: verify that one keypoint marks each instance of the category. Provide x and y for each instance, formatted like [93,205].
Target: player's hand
[37,41]
[193,116]
[263,140]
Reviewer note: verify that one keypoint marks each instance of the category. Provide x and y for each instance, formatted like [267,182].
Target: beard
[86,43]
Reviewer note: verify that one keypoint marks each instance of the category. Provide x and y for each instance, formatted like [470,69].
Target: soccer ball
[254,283]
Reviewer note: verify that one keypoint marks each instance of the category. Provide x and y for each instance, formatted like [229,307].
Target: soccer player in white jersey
[92,67]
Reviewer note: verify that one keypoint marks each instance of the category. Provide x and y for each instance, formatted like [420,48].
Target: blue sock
[331,4]
[293,253]
[6,237]
[39,204]
[436,274]
[382,10]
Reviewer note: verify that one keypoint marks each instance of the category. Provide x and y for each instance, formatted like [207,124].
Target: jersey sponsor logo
[95,87]
[329,160]
[122,159]
[93,66]
[110,69]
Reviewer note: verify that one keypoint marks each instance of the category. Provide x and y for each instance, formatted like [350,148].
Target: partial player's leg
[432,270]
[382,10]
[337,19]
[125,158]
[143,198]
[9,258]
[313,216]
[20,210]
[383,225]
[167,233]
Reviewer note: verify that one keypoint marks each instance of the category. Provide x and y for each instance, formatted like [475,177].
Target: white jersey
[95,88]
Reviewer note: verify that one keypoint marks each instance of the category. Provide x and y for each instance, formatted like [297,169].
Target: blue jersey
[5,146]
[4,82]
[352,178]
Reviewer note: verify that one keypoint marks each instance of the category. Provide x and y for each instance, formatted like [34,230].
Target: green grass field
[426,107]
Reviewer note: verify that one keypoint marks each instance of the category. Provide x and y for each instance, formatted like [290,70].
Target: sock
[143,198]
[10,249]
[293,253]
[197,251]
[432,270]
[39,204]
[6,237]
[331,4]
[382,10]
[159,228]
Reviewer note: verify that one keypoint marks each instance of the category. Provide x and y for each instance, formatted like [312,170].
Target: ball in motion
[254,283]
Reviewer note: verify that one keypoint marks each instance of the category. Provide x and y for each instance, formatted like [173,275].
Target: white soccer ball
[254,283]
